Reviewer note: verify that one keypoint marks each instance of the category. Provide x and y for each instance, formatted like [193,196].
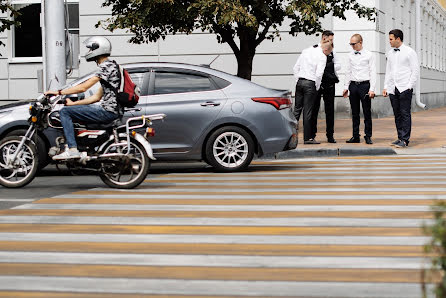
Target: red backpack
[128,93]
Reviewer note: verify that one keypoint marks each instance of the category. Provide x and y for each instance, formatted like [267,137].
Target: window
[177,82]
[27,38]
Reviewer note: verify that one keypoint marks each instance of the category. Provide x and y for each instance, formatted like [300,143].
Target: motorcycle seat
[103,126]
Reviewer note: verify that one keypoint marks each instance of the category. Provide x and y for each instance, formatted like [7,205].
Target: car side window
[138,78]
[177,82]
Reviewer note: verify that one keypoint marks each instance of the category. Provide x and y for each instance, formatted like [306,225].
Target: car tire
[42,151]
[229,149]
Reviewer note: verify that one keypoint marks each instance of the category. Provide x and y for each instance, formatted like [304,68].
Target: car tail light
[278,102]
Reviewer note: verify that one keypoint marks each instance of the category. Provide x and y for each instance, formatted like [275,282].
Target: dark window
[176,82]
[28,36]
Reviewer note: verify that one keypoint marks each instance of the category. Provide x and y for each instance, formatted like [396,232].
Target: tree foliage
[243,24]
[6,23]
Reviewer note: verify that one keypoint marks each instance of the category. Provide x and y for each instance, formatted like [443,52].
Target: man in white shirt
[308,72]
[327,90]
[402,73]
[360,80]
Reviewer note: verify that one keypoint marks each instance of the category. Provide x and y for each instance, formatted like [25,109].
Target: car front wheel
[230,149]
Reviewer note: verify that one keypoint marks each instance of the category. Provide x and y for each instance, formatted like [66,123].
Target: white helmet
[97,46]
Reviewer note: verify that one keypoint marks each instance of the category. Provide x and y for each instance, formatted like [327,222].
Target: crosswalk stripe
[226,261]
[209,230]
[211,287]
[216,239]
[252,207]
[217,249]
[202,202]
[218,214]
[215,273]
[253,222]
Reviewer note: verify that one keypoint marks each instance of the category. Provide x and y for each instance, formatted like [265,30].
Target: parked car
[211,115]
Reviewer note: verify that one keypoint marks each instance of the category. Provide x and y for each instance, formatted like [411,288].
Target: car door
[190,99]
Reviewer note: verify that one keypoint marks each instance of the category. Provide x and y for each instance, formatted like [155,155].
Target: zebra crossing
[335,227]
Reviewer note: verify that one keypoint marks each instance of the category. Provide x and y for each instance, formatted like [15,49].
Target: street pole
[418,50]
[55,62]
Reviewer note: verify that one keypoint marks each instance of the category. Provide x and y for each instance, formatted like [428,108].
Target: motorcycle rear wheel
[24,168]
[127,172]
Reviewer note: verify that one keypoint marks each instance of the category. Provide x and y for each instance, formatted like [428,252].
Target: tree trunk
[244,65]
[247,51]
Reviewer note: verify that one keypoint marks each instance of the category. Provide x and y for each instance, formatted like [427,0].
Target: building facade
[21,59]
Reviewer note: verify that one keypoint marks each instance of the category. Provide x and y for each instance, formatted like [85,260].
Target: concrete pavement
[428,136]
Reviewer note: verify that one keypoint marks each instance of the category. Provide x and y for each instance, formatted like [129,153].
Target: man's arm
[372,69]
[415,69]
[78,88]
[89,100]
[387,78]
[322,62]
[296,67]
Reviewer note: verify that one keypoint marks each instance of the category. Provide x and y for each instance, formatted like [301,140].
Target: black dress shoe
[311,142]
[395,142]
[401,144]
[368,140]
[331,140]
[353,140]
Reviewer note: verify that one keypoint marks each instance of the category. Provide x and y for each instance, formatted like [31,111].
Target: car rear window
[176,82]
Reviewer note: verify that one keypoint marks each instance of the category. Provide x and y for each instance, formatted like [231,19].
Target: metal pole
[418,50]
[55,44]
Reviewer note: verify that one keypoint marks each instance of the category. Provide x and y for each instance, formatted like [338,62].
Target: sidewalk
[427,137]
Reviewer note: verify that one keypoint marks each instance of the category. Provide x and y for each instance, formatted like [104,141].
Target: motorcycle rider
[101,107]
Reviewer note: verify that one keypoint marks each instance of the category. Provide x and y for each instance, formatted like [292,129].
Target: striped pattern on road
[337,227]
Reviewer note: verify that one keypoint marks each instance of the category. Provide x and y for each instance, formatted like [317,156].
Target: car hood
[14,104]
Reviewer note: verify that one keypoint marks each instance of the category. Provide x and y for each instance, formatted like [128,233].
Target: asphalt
[428,137]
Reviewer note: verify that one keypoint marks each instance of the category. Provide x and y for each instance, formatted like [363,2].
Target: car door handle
[210,104]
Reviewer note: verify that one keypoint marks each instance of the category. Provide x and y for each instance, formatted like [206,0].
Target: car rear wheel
[42,152]
[230,149]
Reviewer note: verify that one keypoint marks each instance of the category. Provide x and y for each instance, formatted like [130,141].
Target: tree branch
[226,37]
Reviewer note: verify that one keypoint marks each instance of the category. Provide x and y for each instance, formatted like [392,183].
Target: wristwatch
[59,92]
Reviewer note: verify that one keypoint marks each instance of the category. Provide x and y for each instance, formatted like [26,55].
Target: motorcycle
[117,151]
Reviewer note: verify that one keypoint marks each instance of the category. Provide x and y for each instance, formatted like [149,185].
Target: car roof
[186,66]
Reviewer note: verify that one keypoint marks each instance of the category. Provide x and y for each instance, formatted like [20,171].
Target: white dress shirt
[402,69]
[360,66]
[310,65]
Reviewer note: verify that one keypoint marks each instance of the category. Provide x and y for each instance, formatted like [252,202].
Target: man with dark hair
[327,90]
[402,73]
[308,72]
[360,80]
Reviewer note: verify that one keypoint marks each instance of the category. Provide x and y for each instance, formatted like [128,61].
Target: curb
[332,152]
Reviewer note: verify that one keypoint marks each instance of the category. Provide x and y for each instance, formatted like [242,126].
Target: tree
[5,23]
[243,24]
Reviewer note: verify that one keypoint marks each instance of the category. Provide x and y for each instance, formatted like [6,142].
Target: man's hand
[345,93]
[371,94]
[69,102]
[385,93]
[49,92]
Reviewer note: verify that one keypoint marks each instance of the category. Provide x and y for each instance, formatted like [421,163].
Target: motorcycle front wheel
[128,171]
[22,170]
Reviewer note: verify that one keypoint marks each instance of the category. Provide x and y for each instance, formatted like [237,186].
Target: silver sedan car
[211,115]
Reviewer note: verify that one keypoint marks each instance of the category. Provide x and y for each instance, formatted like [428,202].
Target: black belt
[303,79]
[361,82]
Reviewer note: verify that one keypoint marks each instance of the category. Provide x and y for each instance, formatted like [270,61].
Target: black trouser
[305,96]
[359,95]
[328,93]
[402,104]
